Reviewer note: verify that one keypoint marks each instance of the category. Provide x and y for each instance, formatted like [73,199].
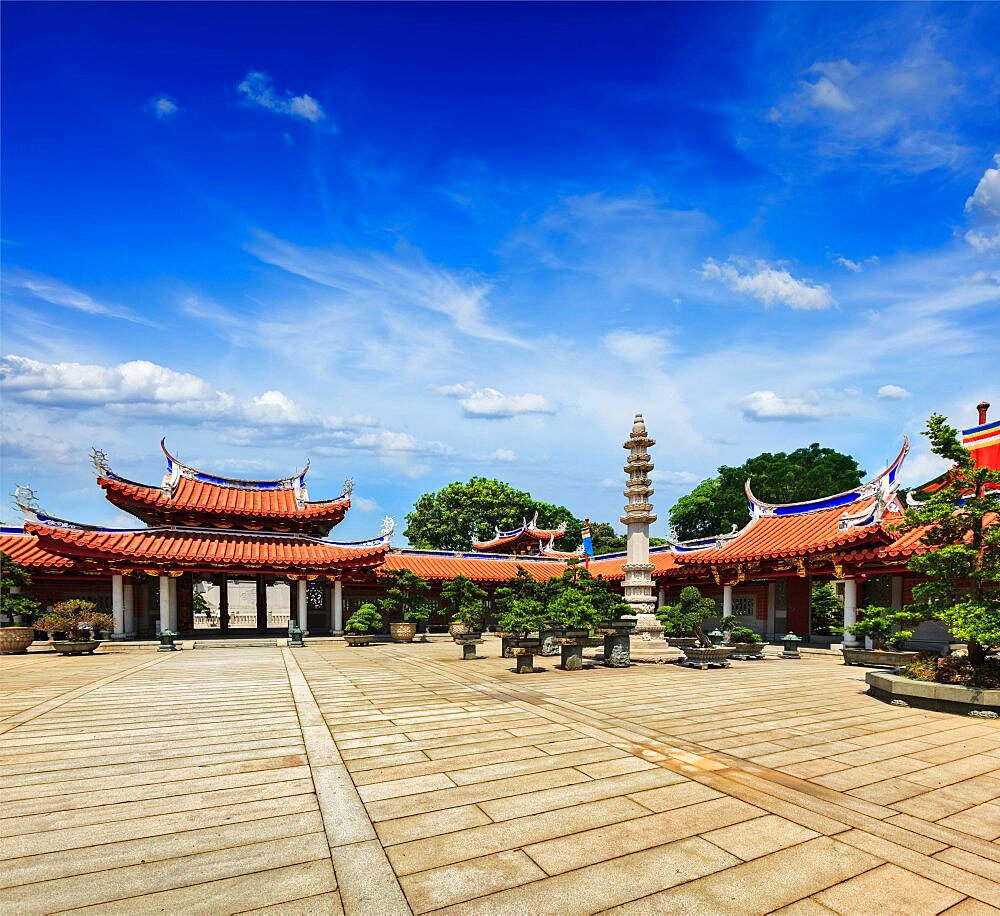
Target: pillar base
[617,652]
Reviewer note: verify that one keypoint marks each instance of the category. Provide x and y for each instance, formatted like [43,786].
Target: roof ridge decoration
[525,527]
[718,541]
[177,469]
[882,487]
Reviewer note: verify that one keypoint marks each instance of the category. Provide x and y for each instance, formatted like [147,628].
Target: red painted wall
[797,621]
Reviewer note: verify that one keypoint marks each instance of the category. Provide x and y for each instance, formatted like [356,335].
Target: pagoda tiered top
[529,538]
[190,498]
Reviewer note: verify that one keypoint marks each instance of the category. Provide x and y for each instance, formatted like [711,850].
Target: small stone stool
[469,649]
[572,654]
[525,660]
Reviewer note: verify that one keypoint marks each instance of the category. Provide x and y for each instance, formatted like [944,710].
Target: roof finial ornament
[26,499]
[99,459]
[388,527]
[348,486]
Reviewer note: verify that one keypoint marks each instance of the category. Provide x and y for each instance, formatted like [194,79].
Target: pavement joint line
[22,717]
[350,833]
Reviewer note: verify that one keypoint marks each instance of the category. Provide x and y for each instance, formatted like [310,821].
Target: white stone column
[338,608]
[164,603]
[118,604]
[850,609]
[770,609]
[129,595]
[661,597]
[727,601]
[638,584]
[172,583]
[302,612]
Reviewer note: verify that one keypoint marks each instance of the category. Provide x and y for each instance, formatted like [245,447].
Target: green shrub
[743,634]
[77,619]
[366,619]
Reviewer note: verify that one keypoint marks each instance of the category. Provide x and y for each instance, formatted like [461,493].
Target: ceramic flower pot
[14,640]
[402,632]
[75,646]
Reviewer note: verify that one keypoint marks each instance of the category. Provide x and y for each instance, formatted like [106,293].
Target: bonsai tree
[605,596]
[885,626]
[464,600]
[742,634]
[825,609]
[574,608]
[520,609]
[77,619]
[20,610]
[366,619]
[689,612]
[406,594]
[959,524]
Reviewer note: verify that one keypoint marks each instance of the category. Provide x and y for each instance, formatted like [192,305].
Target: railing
[242,619]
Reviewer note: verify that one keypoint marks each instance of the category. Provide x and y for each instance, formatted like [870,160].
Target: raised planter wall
[899,691]
[878,657]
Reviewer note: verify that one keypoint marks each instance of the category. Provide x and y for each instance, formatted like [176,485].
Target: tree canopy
[962,587]
[716,504]
[459,513]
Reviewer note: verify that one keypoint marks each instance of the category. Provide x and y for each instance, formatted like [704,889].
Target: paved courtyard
[398,779]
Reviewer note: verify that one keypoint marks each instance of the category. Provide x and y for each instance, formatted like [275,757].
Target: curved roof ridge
[177,467]
[887,479]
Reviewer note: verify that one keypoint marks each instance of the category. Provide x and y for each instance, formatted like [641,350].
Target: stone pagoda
[638,517]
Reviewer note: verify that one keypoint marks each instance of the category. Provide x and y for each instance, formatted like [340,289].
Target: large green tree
[959,524]
[718,503]
[459,513]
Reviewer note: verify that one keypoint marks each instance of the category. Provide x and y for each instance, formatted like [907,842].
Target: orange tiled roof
[194,548]
[436,566]
[201,497]
[664,564]
[25,550]
[774,536]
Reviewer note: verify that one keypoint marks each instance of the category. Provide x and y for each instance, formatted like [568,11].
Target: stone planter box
[75,647]
[682,642]
[507,642]
[358,639]
[901,691]
[457,628]
[875,658]
[701,657]
[15,640]
[468,641]
[402,632]
[548,640]
[747,650]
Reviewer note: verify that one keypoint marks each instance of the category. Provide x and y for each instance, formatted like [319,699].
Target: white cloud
[258,89]
[921,468]
[490,404]
[397,281]
[983,242]
[55,292]
[769,285]
[503,454]
[143,391]
[825,93]
[646,348]
[893,393]
[363,504]
[458,390]
[855,266]
[164,107]
[766,406]
[986,197]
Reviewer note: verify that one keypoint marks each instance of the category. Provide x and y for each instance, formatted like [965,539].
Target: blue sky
[421,242]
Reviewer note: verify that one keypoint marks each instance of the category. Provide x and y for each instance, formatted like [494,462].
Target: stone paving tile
[889,890]
[423,782]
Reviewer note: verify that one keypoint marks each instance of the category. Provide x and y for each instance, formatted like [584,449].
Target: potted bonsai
[690,611]
[610,609]
[78,622]
[674,630]
[17,611]
[745,643]
[573,617]
[885,627]
[405,596]
[365,621]
[464,601]
[520,611]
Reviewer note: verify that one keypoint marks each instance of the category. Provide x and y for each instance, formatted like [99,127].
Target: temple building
[216,554]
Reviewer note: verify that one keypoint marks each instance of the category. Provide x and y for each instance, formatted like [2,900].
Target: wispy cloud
[648,348]
[55,292]
[768,284]
[164,108]
[893,393]
[983,208]
[258,89]
[400,280]
[855,267]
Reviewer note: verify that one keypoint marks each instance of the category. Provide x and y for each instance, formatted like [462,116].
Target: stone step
[236,644]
